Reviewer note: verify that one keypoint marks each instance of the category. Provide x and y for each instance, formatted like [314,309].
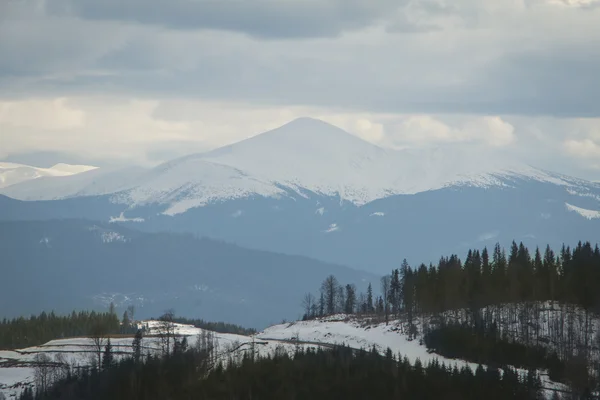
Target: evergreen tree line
[572,276]
[308,374]
[24,332]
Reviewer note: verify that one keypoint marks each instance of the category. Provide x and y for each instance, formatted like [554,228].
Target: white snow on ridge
[332,228]
[193,182]
[12,173]
[589,214]
[100,181]
[122,218]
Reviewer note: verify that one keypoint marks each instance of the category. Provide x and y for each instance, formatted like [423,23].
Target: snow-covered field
[16,368]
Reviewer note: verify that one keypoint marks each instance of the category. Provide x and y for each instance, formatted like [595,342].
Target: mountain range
[309,188]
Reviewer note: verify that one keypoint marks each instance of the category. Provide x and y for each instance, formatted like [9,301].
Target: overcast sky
[142,81]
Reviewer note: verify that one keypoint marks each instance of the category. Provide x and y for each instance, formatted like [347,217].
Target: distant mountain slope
[12,174]
[89,183]
[69,264]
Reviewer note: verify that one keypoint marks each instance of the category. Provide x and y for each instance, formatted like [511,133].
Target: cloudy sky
[141,81]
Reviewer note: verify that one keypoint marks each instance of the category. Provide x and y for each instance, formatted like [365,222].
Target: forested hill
[533,309]
[54,265]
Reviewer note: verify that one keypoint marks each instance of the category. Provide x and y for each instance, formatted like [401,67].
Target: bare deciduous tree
[385,291]
[166,330]
[329,288]
[308,303]
[42,372]
[99,334]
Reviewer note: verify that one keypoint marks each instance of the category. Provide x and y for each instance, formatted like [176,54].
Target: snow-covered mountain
[314,156]
[313,189]
[303,155]
[12,174]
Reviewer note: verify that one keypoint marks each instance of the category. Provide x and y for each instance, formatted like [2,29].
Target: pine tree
[107,356]
[370,307]
[126,322]
[136,346]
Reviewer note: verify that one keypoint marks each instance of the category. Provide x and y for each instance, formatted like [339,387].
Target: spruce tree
[370,299]
[107,356]
[136,346]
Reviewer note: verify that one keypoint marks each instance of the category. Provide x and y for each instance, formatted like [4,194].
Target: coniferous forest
[23,332]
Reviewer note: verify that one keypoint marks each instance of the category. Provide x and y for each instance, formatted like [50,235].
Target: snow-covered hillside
[16,367]
[12,174]
[365,334]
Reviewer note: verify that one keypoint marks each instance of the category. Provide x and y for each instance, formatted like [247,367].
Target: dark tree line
[38,329]
[308,374]
[572,276]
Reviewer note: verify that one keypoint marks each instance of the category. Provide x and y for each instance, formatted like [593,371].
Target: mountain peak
[310,130]
[308,123]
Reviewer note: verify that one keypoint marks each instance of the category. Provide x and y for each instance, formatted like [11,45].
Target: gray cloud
[442,57]
[524,61]
[258,18]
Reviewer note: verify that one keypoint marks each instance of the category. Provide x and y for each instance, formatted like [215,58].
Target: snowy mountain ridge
[308,155]
[302,157]
[12,173]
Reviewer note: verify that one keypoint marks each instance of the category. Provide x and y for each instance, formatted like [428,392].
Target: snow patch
[589,214]
[237,214]
[377,214]
[122,218]
[110,237]
[320,211]
[332,228]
